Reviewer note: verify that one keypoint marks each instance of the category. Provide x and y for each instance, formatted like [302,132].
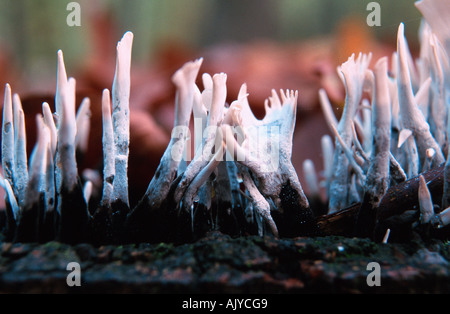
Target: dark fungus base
[116,225]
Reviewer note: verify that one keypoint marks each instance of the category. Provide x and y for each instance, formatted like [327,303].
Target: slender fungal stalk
[121,118]
[108,150]
[8,138]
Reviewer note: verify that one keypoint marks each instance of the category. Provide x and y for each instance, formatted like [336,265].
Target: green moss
[162,250]
[53,245]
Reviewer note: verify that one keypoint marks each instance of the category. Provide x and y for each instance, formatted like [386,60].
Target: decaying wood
[397,200]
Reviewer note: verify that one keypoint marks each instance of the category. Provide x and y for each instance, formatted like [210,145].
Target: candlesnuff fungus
[70,204]
[121,121]
[353,74]
[259,203]
[377,181]
[395,126]
[266,151]
[212,178]
[411,117]
[203,155]
[20,158]
[108,150]
[32,211]
[425,201]
[265,179]
[158,189]
[83,122]
[8,138]
[409,123]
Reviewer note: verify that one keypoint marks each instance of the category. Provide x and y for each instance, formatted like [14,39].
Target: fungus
[328,152]
[108,150]
[121,122]
[259,202]
[20,158]
[32,210]
[266,151]
[425,201]
[241,178]
[83,126]
[158,189]
[202,158]
[411,117]
[378,179]
[407,136]
[311,178]
[353,75]
[8,138]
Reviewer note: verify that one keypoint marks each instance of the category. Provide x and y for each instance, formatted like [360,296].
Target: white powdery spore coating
[353,74]
[108,149]
[8,137]
[378,173]
[121,116]
[21,166]
[121,140]
[411,116]
[83,121]
[66,160]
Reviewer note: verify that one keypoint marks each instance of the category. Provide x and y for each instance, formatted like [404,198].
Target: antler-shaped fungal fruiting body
[406,135]
[203,156]
[158,189]
[266,151]
[353,74]
[241,176]
[51,203]
[378,176]
[145,220]
[411,117]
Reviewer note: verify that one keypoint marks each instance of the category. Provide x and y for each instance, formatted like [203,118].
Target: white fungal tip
[243,91]
[127,39]
[12,200]
[87,191]
[50,123]
[430,152]
[309,172]
[425,202]
[401,29]
[61,72]
[7,96]
[403,136]
[83,120]
[207,81]
[106,103]
[386,236]
[444,218]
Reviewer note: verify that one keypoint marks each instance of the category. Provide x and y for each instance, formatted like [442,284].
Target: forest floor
[218,263]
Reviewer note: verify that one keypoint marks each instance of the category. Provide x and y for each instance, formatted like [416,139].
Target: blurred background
[295,44]
[31,31]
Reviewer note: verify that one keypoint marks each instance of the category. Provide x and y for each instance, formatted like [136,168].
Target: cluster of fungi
[393,135]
